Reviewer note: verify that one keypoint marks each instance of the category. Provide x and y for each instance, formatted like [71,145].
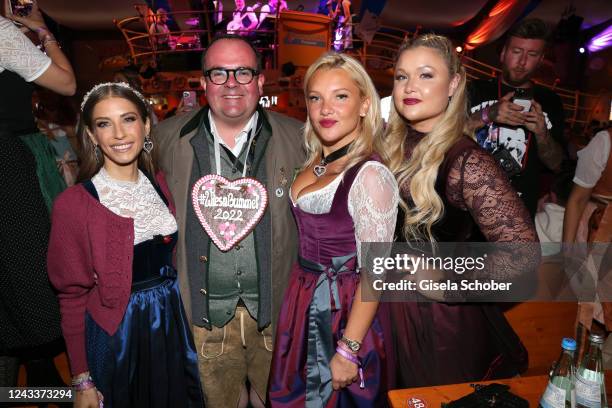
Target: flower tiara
[105,84]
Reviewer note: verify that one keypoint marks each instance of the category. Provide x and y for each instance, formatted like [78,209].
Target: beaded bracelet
[53,40]
[45,36]
[355,360]
[83,383]
[81,378]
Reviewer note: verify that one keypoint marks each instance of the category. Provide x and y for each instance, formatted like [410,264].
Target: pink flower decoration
[227,230]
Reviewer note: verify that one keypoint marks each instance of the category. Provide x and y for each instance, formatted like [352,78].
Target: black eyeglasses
[242,75]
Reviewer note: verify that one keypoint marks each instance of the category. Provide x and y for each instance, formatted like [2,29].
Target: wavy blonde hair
[371,124]
[420,171]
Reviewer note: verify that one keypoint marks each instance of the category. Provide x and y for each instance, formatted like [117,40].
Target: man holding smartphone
[519,122]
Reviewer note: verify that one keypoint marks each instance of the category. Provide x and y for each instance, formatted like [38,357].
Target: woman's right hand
[89,398]
[33,21]
[344,372]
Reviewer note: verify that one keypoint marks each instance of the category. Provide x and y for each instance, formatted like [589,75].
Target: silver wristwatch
[353,345]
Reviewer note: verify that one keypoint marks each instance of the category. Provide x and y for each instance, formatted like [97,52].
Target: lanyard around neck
[217,144]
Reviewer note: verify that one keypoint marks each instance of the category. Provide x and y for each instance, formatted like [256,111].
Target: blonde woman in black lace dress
[452,191]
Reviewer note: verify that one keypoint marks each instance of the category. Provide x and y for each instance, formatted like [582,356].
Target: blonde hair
[371,124]
[420,171]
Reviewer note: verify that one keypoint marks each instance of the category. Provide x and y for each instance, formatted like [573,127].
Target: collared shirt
[240,139]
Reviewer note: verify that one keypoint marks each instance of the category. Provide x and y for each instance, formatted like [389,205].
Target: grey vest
[235,271]
[202,261]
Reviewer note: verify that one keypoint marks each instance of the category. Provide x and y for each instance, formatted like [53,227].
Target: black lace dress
[444,343]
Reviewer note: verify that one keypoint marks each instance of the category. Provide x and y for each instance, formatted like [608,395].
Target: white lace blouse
[137,200]
[18,54]
[372,203]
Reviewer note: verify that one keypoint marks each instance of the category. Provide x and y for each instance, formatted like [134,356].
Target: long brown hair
[420,171]
[89,165]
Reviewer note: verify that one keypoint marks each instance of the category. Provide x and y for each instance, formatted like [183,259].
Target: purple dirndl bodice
[315,312]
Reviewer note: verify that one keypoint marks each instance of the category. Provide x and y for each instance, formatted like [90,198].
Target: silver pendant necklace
[320,169]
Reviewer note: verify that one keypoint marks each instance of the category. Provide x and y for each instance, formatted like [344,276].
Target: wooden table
[529,388]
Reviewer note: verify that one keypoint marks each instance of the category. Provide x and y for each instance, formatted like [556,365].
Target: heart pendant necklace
[321,168]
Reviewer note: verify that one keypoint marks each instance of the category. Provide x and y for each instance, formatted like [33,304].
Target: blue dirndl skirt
[151,359]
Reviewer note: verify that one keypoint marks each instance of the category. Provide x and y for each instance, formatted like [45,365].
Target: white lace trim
[137,200]
[18,54]
[319,201]
[372,203]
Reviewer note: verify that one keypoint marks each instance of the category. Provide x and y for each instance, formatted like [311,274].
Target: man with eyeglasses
[233,297]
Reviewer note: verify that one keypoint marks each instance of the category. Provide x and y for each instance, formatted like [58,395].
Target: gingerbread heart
[228,210]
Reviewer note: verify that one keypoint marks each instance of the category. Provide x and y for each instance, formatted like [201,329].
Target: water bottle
[590,386]
[560,391]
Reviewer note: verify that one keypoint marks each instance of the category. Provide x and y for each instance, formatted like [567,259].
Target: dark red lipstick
[327,123]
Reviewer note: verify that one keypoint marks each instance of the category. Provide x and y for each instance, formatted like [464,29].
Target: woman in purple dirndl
[330,348]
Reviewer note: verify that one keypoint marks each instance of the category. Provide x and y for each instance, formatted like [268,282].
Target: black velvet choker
[321,168]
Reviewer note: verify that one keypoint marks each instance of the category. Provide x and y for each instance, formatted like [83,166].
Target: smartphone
[522,97]
[189,99]
[21,8]
[525,103]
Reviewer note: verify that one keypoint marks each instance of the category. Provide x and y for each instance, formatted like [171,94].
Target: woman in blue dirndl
[110,259]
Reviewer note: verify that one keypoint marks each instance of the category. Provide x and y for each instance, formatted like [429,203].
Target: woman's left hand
[344,372]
